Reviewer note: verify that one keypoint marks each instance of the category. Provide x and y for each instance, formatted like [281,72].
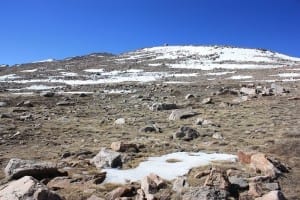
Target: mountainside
[211,122]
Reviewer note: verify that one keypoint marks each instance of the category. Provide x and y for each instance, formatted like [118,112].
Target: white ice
[9,77]
[164,169]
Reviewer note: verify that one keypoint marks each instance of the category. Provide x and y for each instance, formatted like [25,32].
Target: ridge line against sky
[41,29]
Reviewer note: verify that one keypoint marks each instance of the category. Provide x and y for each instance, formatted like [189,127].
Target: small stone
[120,121]
[218,136]
[150,128]
[207,101]
[3,104]
[186,133]
[47,94]
[189,96]
[248,91]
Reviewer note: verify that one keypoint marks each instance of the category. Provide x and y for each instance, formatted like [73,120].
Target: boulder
[186,133]
[180,184]
[273,195]
[240,182]
[123,191]
[47,94]
[65,103]
[207,101]
[277,89]
[17,168]
[261,163]
[205,193]
[189,96]
[3,104]
[152,183]
[244,158]
[107,159]
[150,128]
[248,91]
[124,147]
[181,114]
[27,188]
[162,106]
[217,178]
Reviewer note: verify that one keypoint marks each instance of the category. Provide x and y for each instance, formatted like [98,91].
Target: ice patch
[238,77]
[163,168]
[154,64]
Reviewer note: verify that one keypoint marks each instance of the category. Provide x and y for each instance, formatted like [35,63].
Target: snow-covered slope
[209,57]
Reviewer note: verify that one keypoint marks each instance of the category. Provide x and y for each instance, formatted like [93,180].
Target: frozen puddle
[168,166]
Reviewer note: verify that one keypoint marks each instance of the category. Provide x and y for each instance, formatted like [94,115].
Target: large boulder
[107,159]
[218,179]
[262,164]
[124,147]
[205,193]
[186,133]
[152,183]
[181,114]
[27,188]
[17,168]
[162,106]
[273,195]
[122,191]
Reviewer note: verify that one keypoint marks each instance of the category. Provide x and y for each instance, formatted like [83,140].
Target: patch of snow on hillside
[163,168]
[41,87]
[42,61]
[94,70]
[9,77]
[288,75]
[68,73]
[238,77]
[29,70]
[220,73]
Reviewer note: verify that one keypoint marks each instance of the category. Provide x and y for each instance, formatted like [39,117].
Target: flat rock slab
[181,114]
[17,168]
[107,158]
[27,188]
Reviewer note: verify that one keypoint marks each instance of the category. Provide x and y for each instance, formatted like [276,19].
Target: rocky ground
[57,136]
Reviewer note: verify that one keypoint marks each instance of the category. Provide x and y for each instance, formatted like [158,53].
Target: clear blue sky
[39,29]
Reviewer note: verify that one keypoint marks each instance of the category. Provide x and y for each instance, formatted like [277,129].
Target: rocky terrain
[172,122]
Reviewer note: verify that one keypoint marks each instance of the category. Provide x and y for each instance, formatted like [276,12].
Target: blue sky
[33,30]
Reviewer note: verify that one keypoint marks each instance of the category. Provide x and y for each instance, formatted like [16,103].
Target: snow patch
[68,73]
[220,73]
[42,61]
[93,70]
[41,87]
[9,77]
[163,168]
[238,77]
[29,70]
[291,75]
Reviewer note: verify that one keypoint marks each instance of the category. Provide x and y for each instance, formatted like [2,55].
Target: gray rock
[107,159]
[162,106]
[3,104]
[150,128]
[180,184]
[205,193]
[248,91]
[207,101]
[273,195]
[218,136]
[47,94]
[65,103]
[27,188]
[238,181]
[186,133]
[189,96]
[17,168]
[277,89]
[120,121]
[181,114]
